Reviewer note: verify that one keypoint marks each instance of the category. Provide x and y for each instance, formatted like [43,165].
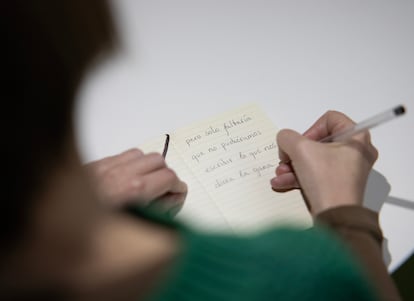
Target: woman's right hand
[329,174]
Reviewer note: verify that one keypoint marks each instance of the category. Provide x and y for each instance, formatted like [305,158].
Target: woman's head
[47,45]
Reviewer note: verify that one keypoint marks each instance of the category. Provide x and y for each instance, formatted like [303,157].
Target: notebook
[227,162]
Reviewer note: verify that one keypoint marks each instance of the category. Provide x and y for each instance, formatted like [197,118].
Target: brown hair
[46,47]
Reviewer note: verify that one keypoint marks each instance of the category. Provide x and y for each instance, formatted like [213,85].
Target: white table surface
[183,60]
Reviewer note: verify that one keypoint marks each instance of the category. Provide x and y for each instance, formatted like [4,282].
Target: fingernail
[274,182]
[184,186]
[284,162]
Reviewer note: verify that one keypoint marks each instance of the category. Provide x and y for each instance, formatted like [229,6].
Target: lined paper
[199,210]
[233,156]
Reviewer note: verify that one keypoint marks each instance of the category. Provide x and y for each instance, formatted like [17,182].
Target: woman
[67,237]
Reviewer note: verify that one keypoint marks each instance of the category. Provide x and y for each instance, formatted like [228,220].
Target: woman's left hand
[133,177]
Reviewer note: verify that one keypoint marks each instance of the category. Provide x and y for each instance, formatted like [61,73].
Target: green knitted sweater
[280,264]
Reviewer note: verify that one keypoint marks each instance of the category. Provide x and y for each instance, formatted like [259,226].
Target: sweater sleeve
[279,264]
[358,227]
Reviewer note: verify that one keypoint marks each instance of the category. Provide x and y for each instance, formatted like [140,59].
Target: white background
[183,60]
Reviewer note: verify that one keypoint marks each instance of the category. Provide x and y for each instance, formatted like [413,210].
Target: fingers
[284,182]
[283,168]
[134,177]
[148,177]
[333,122]
[123,157]
[103,165]
[159,183]
[285,179]
[151,178]
[329,123]
[288,140]
[283,152]
[170,204]
[156,184]
[145,164]
[343,165]
[283,157]
[128,155]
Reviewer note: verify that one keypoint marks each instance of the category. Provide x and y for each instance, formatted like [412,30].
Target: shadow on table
[376,194]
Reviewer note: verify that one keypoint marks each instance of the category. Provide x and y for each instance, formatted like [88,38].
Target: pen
[167,141]
[366,124]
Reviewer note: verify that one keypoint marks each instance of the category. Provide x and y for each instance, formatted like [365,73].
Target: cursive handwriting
[218,164]
[239,139]
[192,140]
[223,181]
[236,122]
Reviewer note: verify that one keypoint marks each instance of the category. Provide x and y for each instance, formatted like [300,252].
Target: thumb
[288,140]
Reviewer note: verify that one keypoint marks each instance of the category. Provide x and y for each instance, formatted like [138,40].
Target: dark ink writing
[239,139]
[235,122]
[221,182]
[218,164]
[211,130]
[212,149]
[192,140]
[258,170]
[197,156]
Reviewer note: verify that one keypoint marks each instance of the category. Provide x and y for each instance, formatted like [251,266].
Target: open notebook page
[198,210]
[233,157]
